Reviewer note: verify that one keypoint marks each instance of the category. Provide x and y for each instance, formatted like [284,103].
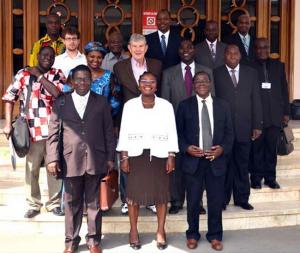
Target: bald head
[115,43]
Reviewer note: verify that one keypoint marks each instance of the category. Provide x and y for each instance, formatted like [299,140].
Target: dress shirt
[66,63]
[214,43]
[137,69]
[80,102]
[247,39]
[209,104]
[167,34]
[110,60]
[192,65]
[153,129]
[237,71]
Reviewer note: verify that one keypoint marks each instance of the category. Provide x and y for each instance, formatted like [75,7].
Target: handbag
[109,190]
[284,144]
[20,135]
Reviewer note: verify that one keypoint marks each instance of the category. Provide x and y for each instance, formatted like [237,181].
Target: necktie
[212,50]
[206,128]
[266,75]
[245,44]
[188,80]
[233,78]
[163,44]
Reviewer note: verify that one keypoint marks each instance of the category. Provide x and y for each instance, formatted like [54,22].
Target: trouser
[215,194]
[81,189]
[264,155]
[237,176]
[34,159]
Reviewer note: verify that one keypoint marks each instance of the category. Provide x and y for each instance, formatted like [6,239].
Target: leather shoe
[161,245]
[202,210]
[216,245]
[245,206]
[191,243]
[94,249]
[174,209]
[31,213]
[57,211]
[71,249]
[135,245]
[255,185]
[272,184]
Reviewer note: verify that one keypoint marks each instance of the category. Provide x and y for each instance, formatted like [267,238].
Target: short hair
[231,45]
[70,30]
[55,15]
[136,37]
[45,47]
[261,39]
[201,72]
[243,15]
[165,10]
[147,73]
[80,67]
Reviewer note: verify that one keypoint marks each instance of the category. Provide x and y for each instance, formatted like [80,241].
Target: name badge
[266,85]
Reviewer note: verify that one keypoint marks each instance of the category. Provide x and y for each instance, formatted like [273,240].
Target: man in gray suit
[210,52]
[177,86]
[81,122]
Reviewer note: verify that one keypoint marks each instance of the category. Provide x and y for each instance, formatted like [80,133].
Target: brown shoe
[191,243]
[95,249]
[71,249]
[216,245]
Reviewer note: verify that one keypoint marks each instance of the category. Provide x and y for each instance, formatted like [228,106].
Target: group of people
[183,119]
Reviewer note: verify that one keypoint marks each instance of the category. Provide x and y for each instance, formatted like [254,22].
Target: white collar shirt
[209,104]
[167,34]
[247,39]
[110,60]
[183,65]
[236,71]
[214,44]
[80,102]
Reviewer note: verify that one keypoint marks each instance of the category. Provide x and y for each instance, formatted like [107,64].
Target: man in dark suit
[163,44]
[210,52]
[205,137]
[243,39]
[177,86]
[275,103]
[81,122]
[238,85]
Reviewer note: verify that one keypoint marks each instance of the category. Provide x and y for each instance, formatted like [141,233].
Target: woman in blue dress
[103,81]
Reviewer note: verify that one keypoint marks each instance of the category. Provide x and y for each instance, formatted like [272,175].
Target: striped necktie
[163,44]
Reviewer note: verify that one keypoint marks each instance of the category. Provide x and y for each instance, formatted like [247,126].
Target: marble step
[267,214]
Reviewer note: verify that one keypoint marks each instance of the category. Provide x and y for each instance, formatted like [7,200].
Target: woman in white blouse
[147,142]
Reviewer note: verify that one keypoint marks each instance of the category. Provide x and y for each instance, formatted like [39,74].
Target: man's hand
[214,152]
[7,130]
[34,71]
[53,168]
[170,164]
[195,151]
[124,165]
[110,166]
[285,120]
[255,134]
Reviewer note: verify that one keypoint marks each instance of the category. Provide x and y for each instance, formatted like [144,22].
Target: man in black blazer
[275,103]
[88,143]
[167,53]
[210,52]
[243,39]
[205,137]
[238,85]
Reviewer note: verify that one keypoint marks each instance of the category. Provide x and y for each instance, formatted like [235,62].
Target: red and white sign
[149,22]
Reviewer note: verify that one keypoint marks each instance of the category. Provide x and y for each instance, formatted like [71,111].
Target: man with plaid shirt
[45,87]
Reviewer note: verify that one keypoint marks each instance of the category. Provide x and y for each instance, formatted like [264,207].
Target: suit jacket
[173,86]
[187,121]
[203,55]
[129,86]
[244,100]
[155,51]
[87,143]
[275,102]
[236,39]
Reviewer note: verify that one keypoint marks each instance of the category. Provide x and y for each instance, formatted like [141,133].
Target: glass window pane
[275,8]
[275,35]
[17,4]
[17,63]
[17,31]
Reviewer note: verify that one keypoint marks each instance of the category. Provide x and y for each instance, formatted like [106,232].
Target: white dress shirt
[153,129]
[183,65]
[214,45]
[66,63]
[236,72]
[167,34]
[209,105]
[80,102]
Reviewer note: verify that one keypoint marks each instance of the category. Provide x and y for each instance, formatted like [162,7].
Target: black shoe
[255,185]
[31,213]
[202,210]
[57,211]
[174,209]
[272,184]
[135,245]
[245,206]
[161,245]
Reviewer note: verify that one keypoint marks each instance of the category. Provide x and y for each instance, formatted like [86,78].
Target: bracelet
[172,154]
[40,77]
[124,158]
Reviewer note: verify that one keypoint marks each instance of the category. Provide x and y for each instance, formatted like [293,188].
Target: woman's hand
[170,164]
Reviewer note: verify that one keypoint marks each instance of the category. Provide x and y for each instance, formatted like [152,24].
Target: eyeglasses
[80,80]
[147,81]
[71,39]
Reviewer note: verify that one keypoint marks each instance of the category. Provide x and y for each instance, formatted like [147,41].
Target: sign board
[149,22]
